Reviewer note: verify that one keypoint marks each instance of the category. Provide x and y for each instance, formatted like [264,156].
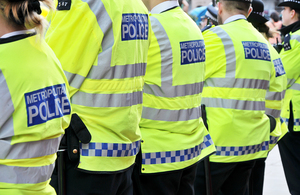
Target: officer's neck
[6,27]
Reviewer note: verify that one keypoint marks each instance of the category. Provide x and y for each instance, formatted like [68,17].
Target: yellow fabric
[28,66]
[290,59]
[238,127]
[172,134]
[82,46]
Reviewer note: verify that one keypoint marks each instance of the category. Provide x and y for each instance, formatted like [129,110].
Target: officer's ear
[250,10]
[220,8]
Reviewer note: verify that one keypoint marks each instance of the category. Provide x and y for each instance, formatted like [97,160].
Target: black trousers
[84,183]
[226,178]
[289,148]
[180,182]
[257,177]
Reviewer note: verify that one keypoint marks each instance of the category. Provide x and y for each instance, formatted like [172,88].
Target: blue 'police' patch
[134,26]
[256,50]
[192,52]
[46,104]
[278,67]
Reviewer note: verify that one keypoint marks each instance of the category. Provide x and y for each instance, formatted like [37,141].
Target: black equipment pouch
[272,123]
[76,133]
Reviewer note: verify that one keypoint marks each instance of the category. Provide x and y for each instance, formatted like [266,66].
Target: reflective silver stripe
[237,83]
[295,86]
[29,149]
[275,95]
[6,109]
[171,115]
[241,150]
[229,51]
[295,37]
[234,104]
[25,175]
[175,91]
[110,149]
[107,100]
[75,80]
[274,113]
[291,81]
[176,156]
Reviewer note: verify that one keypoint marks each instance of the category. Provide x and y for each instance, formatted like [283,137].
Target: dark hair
[237,5]
[25,13]
[263,28]
[275,16]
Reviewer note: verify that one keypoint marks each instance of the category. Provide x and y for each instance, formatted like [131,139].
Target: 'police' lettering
[256,51]
[134,26]
[278,67]
[46,104]
[192,52]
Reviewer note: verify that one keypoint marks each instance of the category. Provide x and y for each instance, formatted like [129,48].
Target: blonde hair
[26,13]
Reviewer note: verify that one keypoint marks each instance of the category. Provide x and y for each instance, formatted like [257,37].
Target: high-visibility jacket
[240,69]
[35,110]
[102,46]
[290,58]
[173,134]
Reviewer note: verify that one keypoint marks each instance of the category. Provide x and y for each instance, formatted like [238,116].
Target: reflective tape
[273,112]
[175,91]
[295,37]
[295,86]
[275,95]
[109,149]
[229,51]
[286,120]
[273,139]
[107,100]
[176,156]
[28,150]
[237,83]
[6,109]
[171,115]
[234,104]
[25,175]
[291,81]
[241,150]
[75,80]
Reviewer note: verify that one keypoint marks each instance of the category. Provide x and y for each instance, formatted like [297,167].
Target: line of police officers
[138,80]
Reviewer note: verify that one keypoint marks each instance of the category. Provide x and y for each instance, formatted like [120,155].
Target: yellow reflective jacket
[174,136]
[240,69]
[35,110]
[103,47]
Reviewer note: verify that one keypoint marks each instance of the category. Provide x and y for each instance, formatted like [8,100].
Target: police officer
[258,20]
[240,69]
[34,107]
[289,145]
[102,46]
[211,18]
[174,137]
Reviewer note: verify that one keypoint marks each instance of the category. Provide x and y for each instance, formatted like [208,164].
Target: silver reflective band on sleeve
[275,95]
[295,86]
[229,51]
[273,112]
[25,175]
[233,104]
[110,149]
[171,115]
[29,149]
[176,156]
[6,107]
[295,37]
[237,83]
[107,100]
[291,81]
[175,91]
[241,150]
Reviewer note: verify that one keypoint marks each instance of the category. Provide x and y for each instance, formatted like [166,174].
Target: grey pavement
[275,183]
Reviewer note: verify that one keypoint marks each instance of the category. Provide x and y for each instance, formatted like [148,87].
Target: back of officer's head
[236,6]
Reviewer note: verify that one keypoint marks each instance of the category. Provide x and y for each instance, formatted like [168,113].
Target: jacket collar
[290,28]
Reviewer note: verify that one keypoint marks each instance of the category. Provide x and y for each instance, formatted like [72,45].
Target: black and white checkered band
[259,13]
[293,1]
